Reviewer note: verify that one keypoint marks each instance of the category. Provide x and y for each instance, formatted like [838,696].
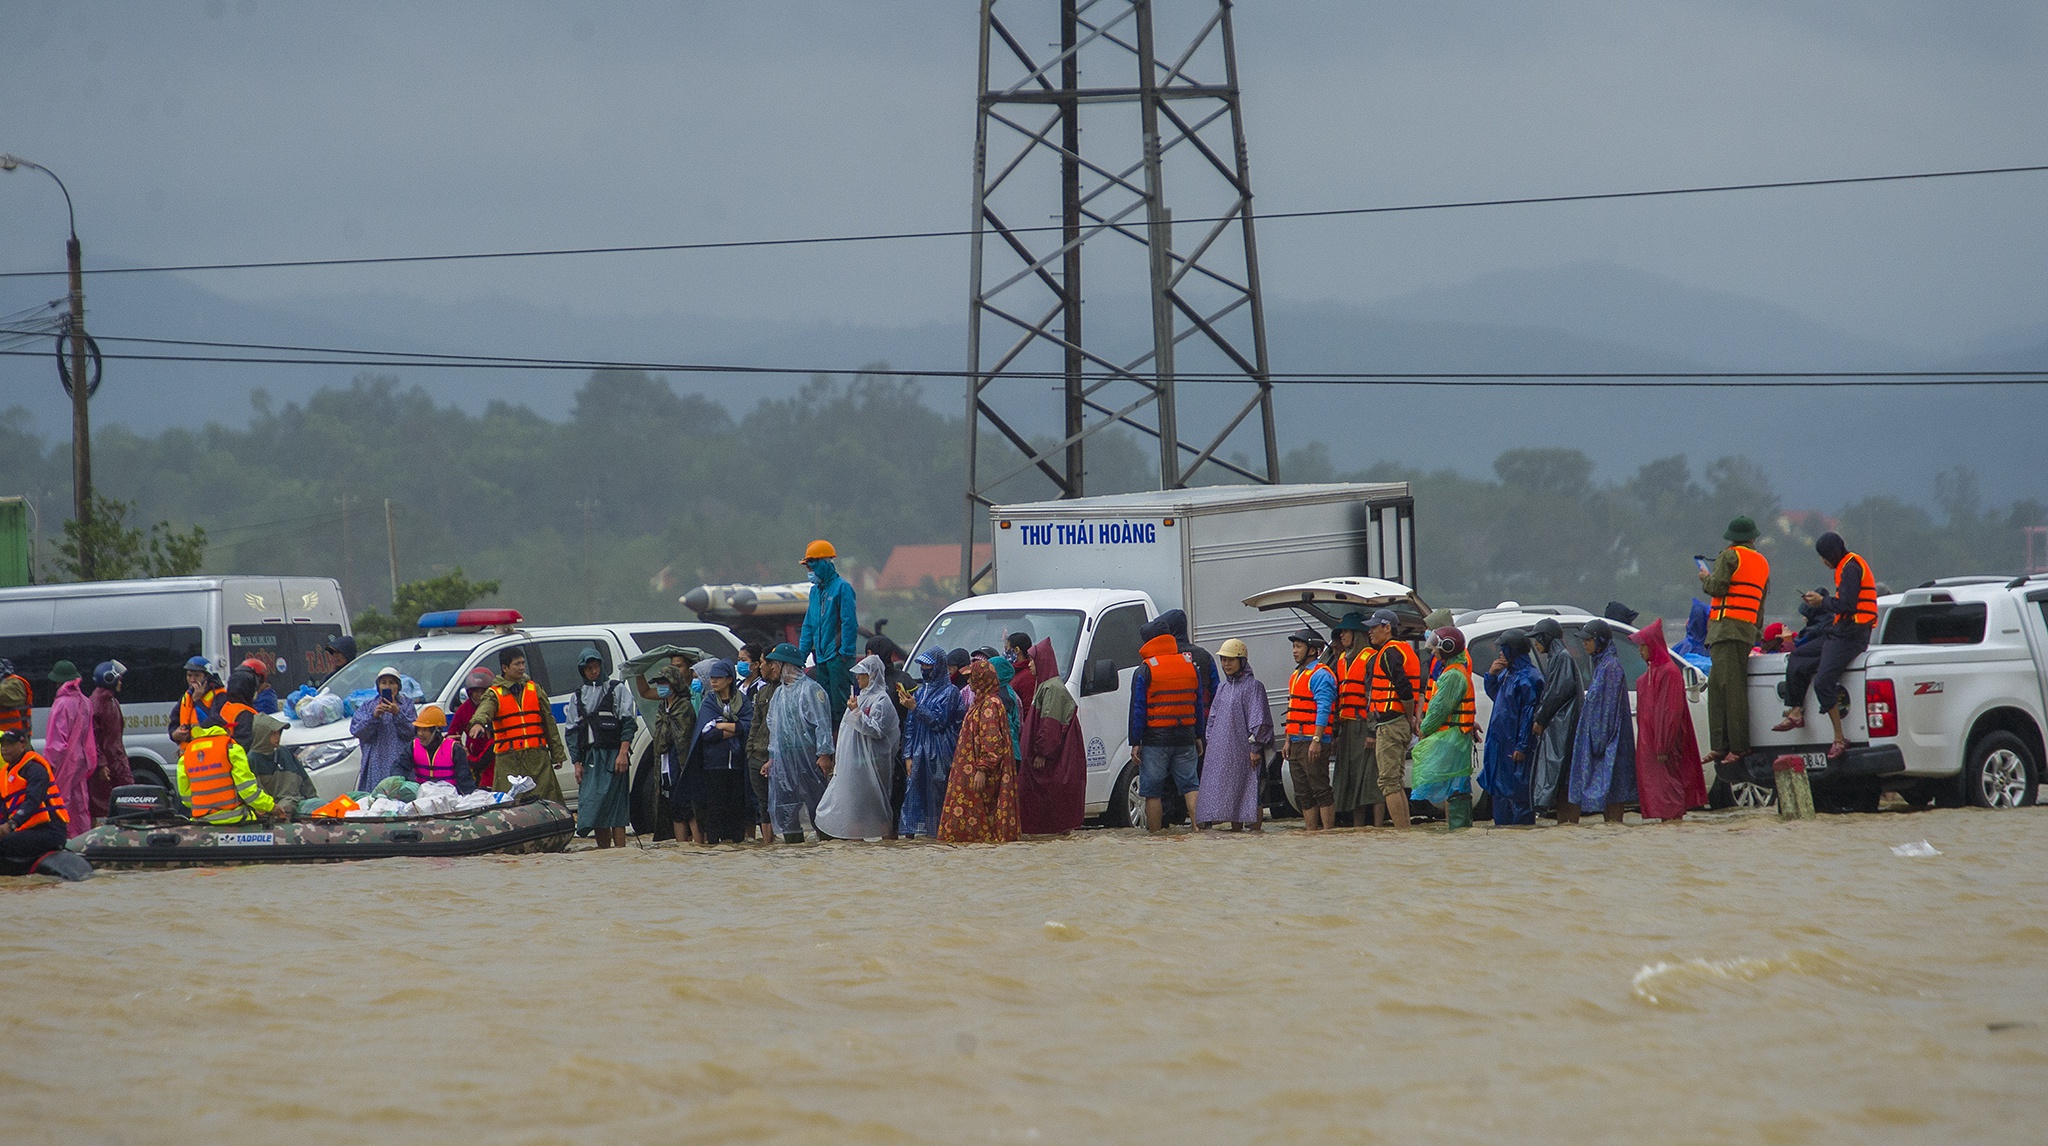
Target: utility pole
[1207,315]
[81,389]
[391,540]
[348,553]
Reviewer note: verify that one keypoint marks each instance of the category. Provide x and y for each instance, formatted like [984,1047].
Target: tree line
[642,493]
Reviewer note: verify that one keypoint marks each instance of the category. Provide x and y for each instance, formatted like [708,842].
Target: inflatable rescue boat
[166,839]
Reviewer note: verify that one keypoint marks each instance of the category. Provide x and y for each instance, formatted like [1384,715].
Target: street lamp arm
[10,162]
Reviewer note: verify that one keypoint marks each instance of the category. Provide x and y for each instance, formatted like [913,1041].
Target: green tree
[121,551]
[451,590]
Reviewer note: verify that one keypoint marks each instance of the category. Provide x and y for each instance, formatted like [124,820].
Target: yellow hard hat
[430,716]
[1233,648]
[819,548]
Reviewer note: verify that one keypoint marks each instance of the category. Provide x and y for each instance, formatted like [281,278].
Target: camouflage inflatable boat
[173,841]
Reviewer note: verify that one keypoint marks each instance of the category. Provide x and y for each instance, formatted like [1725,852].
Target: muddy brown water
[1731,979]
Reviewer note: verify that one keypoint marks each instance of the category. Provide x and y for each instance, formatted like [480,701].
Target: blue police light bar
[469,618]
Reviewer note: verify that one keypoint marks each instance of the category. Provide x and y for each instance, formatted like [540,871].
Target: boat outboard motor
[138,802]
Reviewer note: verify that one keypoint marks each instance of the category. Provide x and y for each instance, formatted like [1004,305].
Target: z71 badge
[1926,687]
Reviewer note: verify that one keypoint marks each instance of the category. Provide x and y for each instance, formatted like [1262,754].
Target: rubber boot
[1458,811]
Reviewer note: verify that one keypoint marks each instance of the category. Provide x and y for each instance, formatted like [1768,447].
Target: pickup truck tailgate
[1766,707]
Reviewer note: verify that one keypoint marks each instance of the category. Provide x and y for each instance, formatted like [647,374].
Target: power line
[1699,379]
[892,236]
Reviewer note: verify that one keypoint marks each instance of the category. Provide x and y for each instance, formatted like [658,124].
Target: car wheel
[2001,772]
[149,774]
[1126,806]
[1743,794]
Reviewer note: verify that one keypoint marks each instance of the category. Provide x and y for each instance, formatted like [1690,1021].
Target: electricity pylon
[1160,119]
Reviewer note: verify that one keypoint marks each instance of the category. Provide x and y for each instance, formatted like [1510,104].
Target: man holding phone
[384,728]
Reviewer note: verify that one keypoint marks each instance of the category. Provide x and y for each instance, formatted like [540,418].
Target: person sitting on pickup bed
[1850,613]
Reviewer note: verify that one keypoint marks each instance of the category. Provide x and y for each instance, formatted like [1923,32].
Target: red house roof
[909,565]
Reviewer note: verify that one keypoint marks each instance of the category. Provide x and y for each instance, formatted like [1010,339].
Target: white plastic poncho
[856,803]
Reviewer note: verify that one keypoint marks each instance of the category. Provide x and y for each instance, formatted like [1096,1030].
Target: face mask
[697,690]
[661,689]
[743,670]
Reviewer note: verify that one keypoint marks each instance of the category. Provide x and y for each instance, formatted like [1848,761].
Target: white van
[153,627]
[330,755]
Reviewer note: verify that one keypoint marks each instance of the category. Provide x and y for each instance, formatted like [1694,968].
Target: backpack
[601,724]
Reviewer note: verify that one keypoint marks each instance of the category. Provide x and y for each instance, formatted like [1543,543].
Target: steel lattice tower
[1159,119]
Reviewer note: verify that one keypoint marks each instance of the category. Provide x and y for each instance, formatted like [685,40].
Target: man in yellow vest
[35,817]
[522,726]
[215,781]
[1737,583]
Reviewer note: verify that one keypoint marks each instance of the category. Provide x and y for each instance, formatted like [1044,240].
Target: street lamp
[81,430]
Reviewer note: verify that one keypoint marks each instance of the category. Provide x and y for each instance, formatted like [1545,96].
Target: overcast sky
[201,130]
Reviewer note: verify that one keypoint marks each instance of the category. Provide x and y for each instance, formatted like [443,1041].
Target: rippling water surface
[1731,979]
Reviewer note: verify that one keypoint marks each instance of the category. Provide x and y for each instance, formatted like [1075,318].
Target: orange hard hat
[819,548]
[431,716]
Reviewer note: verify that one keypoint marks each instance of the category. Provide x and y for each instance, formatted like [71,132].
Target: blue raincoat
[1604,754]
[831,634]
[930,737]
[1693,649]
[1509,730]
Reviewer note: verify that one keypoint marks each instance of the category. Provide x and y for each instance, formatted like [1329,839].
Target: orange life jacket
[17,719]
[1467,718]
[1744,600]
[1385,703]
[1865,604]
[1354,674]
[1301,701]
[210,778]
[205,712]
[1171,688]
[13,787]
[517,724]
[231,711]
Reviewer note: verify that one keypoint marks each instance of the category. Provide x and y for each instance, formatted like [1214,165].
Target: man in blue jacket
[831,632]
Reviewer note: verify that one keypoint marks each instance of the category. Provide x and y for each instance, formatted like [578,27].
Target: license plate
[1814,761]
[245,839]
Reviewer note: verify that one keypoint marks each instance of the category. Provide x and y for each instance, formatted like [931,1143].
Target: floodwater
[1731,979]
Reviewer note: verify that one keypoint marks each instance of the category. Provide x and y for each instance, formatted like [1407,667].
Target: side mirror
[1100,677]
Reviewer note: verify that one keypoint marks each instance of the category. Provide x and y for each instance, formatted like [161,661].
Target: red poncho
[1668,775]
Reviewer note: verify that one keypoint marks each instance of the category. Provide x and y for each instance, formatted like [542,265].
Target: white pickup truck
[1953,702]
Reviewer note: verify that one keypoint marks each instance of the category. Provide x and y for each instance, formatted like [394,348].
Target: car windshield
[432,668]
[971,630]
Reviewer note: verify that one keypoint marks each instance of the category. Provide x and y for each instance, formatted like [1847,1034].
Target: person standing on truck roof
[1737,584]
[801,742]
[1557,718]
[37,822]
[831,631]
[522,724]
[108,729]
[17,699]
[1239,731]
[1354,776]
[1854,612]
[1604,749]
[1515,686]
[1311,711]
[1169,708]
[1394,711]
[198,704]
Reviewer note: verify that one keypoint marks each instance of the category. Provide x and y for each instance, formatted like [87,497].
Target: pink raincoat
[74,756]
[1668,776]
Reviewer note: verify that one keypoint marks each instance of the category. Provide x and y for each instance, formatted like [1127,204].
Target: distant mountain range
[1821,447]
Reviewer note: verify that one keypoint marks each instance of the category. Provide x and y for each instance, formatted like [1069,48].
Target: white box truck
[1087,572]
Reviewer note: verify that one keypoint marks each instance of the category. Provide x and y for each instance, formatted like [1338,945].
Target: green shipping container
[15,567]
